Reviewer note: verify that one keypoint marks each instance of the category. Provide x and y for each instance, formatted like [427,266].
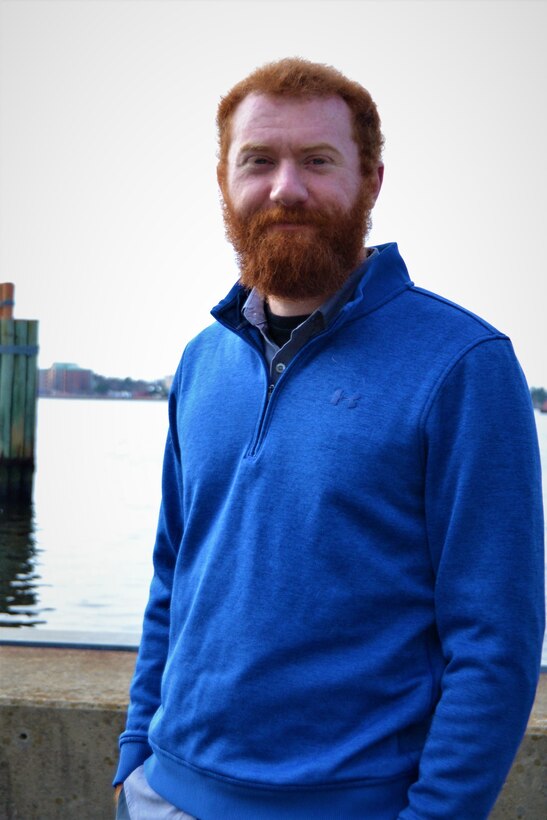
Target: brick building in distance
[64,379]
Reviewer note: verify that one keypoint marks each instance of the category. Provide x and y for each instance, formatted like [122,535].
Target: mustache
[282,215]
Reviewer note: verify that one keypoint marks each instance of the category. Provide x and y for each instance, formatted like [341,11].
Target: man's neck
[294,307]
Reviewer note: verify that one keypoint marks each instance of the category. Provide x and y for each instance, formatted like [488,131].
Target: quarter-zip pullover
[346,614]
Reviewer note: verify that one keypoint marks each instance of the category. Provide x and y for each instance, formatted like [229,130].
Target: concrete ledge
[69,639]
[62,709]
[524,795]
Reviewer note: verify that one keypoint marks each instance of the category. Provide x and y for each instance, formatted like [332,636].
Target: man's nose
[288,187]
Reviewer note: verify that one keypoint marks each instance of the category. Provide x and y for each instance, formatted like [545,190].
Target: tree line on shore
[539,397]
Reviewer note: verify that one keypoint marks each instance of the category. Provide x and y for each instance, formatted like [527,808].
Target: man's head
[299,169]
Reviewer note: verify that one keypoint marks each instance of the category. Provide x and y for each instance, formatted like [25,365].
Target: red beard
[299,263]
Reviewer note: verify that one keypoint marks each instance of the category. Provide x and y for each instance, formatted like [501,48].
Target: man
[346,614]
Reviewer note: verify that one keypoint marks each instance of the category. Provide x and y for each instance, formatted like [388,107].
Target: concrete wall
[61,711]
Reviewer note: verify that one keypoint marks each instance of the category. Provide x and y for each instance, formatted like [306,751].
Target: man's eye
[317,161]
[259,161]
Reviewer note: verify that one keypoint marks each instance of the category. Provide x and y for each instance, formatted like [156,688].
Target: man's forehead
[258,114]
[279,105]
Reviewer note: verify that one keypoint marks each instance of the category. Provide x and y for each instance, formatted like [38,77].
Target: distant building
[68,380]
[63,379]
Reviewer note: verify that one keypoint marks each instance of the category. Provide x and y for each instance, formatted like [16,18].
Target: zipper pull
[270,391]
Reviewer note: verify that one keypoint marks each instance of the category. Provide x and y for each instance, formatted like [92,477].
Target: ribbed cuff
[132,754]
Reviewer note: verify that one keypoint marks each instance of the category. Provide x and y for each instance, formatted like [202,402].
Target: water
[81,557]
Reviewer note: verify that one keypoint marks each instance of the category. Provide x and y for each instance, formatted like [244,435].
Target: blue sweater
[346,615]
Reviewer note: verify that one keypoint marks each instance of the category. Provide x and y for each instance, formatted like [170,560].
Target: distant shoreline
[92,397]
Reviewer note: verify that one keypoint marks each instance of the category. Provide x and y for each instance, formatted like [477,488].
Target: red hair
[294,77]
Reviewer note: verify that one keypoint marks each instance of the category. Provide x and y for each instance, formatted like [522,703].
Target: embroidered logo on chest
[339,397]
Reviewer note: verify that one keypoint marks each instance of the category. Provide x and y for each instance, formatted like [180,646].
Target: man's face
[296,203]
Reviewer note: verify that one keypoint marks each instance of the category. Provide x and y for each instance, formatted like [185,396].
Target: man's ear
[378,177]
[221,178]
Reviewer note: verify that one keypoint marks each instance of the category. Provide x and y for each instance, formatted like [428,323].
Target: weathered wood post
[18,390]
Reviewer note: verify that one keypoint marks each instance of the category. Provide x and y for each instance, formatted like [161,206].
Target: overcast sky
[109,219]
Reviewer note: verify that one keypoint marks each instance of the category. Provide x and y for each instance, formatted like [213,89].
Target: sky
[110,225]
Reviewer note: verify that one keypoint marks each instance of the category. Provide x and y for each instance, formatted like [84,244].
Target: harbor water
[80,558]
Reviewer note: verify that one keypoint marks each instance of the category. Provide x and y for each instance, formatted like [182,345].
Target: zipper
[257,440]
[259,435]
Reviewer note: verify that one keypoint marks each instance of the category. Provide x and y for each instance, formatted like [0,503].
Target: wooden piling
[18,391]
[7,290]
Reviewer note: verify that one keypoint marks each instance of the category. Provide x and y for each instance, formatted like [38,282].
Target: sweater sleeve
[144,697]
[485,531]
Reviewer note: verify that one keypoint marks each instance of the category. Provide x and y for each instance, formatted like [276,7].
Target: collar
[386,275]
[253,308]
[254,313]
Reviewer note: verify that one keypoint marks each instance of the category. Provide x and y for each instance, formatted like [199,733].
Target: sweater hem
[207,796]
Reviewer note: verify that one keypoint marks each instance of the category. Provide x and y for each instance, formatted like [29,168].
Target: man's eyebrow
[254,147]
[320,146]
[259,148]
